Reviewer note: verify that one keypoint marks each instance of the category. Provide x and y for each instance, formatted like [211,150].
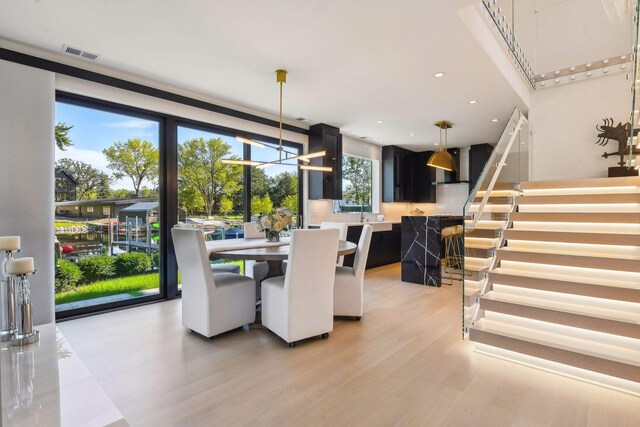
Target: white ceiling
[350,63]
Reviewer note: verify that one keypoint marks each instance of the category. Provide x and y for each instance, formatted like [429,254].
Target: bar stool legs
[453,257]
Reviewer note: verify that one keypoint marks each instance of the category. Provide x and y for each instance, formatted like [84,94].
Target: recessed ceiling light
[438,74]
[494,120]
[473,101]
[379,122]
[412,134]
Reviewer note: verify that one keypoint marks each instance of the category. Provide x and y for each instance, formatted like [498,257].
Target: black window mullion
[169,208]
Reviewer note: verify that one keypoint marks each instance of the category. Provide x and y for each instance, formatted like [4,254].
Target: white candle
[10,243]
[19,266]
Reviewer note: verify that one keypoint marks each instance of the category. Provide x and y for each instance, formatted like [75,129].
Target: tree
[190,199]
[281,186]
[261,205]
[226,205]
[91,182]
[62,136]
[200,168]
[291,202]
[357,172]
[137,159]
[259,182]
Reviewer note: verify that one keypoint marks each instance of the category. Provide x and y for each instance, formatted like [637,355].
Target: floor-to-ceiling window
[125,176]
[107,210]
[211,193]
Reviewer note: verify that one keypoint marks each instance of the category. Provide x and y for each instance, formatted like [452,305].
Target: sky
[95,130]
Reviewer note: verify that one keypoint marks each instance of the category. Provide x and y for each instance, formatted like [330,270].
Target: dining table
[261,250]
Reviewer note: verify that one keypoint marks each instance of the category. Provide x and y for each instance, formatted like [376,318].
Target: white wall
[27,173]
[563,121]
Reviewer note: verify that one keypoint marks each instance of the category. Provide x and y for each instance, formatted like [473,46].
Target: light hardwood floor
[403,364]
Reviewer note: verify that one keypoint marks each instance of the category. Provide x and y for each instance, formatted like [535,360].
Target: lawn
[104,288]
[131,285]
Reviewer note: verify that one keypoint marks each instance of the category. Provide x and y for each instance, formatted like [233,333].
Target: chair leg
[325,336]
[292,345]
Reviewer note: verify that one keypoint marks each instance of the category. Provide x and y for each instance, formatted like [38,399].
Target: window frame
[373,184]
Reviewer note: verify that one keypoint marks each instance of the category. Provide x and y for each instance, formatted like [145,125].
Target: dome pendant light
[442,159]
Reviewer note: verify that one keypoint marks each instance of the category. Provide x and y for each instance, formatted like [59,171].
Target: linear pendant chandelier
[442,159]
[283,155]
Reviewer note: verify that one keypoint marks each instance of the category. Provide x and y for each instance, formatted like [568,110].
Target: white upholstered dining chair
[342,227]
[348,291]
[211,303]
[299,304]
[256,269]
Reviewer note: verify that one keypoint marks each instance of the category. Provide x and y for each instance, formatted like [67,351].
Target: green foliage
[291,202]
[137,159]
[132,263]
[91,182]
[261,205]
[190,199]
[110,287]
[62,136]
[226,205]
[68,275]
[356,173]
[120,194]
[155,259]
[96,268]
[201,170]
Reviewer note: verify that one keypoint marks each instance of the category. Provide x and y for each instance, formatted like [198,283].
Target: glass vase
[272,236]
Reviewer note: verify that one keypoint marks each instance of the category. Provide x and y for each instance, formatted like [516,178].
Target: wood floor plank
[403,364]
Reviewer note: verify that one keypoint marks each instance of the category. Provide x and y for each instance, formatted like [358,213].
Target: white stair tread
[470,291]
[474,267]
[490,208]
[566,278]
[600,311]
[590,347]
[571,253]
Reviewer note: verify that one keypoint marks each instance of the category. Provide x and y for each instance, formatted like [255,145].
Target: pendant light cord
[280,121]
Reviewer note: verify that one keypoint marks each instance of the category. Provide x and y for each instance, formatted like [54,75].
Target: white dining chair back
[300,305]
[211,304]
[340,226]
[349,282]
[251,231]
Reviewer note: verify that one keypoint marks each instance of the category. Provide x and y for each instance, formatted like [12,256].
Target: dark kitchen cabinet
[325,185]
[384,248]
[423,178]
[478,156]
[406,176]
[455,175]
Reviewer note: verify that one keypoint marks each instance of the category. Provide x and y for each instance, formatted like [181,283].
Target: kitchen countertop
[46,383]
[377,225]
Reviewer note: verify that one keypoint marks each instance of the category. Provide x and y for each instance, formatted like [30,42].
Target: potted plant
[273,223]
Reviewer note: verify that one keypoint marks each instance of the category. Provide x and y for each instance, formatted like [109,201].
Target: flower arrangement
[273,223]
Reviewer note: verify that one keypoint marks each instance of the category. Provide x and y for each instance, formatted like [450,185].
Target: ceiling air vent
[79,52]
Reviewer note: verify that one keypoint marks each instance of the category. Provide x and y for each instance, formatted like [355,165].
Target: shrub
[68,274]
[156,260]
[132,263]
[96,268]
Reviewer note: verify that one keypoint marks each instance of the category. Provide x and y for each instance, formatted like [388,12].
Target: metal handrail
[500,164]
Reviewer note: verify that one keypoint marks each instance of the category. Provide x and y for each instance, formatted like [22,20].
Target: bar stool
[453,252]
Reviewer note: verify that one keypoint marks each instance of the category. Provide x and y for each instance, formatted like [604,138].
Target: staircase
[553,278]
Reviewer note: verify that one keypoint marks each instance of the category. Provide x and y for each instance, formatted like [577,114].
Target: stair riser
[582,183]
[488,234]
[567,319]
[596,291]
[578,199]
[586,238]
[591,363]
[571,261]
[479,253]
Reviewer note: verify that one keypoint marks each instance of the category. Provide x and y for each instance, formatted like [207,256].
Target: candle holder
[7,299]
[25,334]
